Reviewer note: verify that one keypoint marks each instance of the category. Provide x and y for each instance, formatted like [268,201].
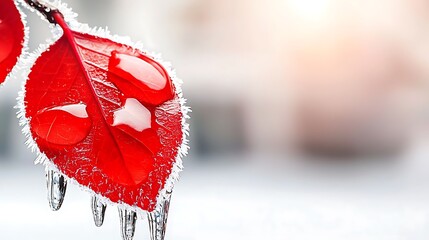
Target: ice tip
[128,223]
[98,211]
[56,185]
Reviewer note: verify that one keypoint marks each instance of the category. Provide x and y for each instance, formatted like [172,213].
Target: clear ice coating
[128,220]
[98,209]
[57,186]
[158,218]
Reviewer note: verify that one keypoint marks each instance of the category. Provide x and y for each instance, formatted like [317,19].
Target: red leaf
[11,37]
[106,114]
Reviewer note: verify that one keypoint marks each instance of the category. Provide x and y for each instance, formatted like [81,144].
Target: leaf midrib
[70,37]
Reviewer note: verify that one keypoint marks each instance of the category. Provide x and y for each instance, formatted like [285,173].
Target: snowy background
[310,121]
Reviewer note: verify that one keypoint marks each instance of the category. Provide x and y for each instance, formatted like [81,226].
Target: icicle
[128,220]
[98,209]
[57,186]
[158,218]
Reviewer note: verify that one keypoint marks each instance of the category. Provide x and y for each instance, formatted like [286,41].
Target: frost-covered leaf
[106,114]
[11,37]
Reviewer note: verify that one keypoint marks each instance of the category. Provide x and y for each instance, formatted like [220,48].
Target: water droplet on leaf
[140,77]
[63,125]
[136,69]
[134,115]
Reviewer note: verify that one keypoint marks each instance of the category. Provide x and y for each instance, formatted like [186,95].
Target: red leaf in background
[106,114]
[11,37]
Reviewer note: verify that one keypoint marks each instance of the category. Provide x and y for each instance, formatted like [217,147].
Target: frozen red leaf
[11,37]
[106,114]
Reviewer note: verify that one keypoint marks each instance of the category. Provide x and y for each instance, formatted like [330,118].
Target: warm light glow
[310,10]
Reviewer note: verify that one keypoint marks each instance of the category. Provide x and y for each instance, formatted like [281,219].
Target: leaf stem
[45,9]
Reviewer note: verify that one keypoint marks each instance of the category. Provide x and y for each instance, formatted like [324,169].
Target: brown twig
[44,9]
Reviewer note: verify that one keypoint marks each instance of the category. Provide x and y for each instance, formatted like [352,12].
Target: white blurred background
[310,121]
